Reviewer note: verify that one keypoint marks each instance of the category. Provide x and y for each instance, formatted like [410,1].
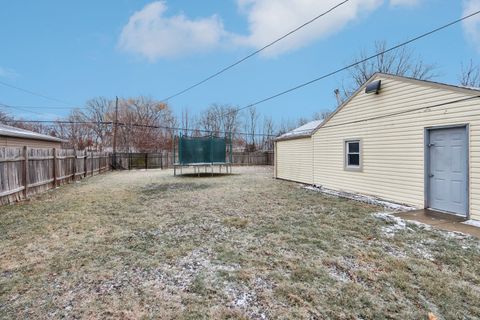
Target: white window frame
[348,167]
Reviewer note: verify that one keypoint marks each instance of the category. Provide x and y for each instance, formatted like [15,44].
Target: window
[352,154]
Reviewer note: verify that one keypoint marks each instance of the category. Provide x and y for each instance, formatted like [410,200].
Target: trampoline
[203,154]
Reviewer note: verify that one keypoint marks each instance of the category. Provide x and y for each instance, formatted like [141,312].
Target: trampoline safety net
[201,150]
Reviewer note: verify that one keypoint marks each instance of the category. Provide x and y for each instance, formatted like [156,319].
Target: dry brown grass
[147,245]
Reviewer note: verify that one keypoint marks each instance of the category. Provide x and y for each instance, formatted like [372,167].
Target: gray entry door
[447,170]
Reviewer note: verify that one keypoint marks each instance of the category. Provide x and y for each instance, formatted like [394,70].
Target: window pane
[353,159]
[353,147]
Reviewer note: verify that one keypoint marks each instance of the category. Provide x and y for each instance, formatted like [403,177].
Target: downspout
[313,159]
[275,160]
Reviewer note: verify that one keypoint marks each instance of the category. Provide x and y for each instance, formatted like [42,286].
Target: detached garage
[294,154]
[16,137]
[404,140]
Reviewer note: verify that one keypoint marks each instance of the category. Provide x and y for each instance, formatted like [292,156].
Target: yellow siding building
[408,141]
[294,154]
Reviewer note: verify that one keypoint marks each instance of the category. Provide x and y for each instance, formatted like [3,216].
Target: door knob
[431,175]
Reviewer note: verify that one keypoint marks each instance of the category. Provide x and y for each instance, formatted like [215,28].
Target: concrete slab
[440,220]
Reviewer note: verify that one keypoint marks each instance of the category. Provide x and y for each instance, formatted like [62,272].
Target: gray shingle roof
[10,131]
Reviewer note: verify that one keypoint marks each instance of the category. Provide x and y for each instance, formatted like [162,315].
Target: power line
[246,133]
[134,125]
[35,93]
[255,52]
[395,113]
[426,34]
[21,109]
[44,107]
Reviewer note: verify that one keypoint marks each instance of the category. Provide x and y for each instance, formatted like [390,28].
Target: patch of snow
[362,198]
[471,222]
[455,235]
[401,224]
[424,252]
[397,224]
[241,301]
[306,129]
[339,275]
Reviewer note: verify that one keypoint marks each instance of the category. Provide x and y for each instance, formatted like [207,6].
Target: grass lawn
[148,245]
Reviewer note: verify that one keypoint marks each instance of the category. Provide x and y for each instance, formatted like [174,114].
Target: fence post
[55,174]
[85,163]
[146,161]
[161,160]
[74,164]
[91,164]
[129,160]
[25,171]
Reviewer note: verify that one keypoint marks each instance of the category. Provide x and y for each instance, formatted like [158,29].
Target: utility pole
[115,124]
[115,127]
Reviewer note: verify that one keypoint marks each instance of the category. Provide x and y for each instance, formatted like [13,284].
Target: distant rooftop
[303,131]
[14,132]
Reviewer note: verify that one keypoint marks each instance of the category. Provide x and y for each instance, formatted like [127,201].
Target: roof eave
[293,137]
[20,136]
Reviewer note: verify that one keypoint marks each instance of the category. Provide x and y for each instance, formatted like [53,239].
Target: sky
[76,50]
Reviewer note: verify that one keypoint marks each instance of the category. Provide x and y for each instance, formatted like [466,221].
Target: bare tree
[268,133]
[78,134]
[230,121]
[211,120]
[99,111]
[470,76]
[147,125]
[321,115]
[144,125]
[301,121]
[251,128]
[286,126]
[187,122]
[402,62]
[220,120]
[4,117]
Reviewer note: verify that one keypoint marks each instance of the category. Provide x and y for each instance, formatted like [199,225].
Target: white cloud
[150,33]
[409,3]
[8,73]
[471,26]
[270,19]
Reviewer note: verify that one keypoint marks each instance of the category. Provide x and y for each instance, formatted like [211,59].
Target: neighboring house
[15,137]
[294,154]
[413,142]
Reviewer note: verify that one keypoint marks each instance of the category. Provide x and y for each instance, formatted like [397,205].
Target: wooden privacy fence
[28,171]
[135,160]
[256,158]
